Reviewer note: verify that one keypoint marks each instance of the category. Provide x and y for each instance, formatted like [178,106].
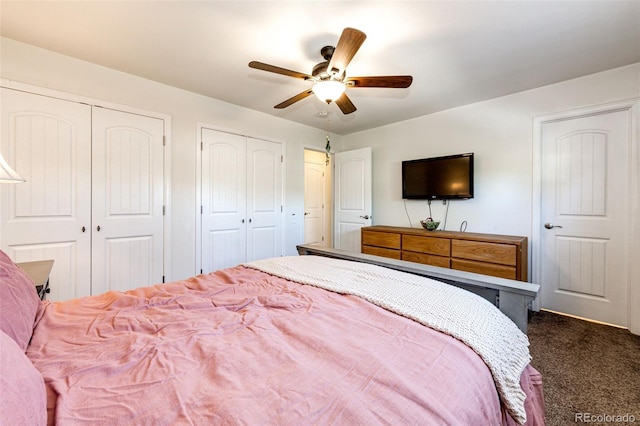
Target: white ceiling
[458,52]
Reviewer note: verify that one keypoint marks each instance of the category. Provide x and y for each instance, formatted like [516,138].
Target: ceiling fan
[329,76]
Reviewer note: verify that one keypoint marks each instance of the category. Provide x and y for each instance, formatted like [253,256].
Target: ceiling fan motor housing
[320,71]
[327,52]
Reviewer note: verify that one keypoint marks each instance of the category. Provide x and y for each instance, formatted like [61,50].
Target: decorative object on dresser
[429,224]
[39,272]
[503,256]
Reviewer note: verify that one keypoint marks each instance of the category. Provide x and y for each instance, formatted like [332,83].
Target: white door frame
[166,118]
[633,106]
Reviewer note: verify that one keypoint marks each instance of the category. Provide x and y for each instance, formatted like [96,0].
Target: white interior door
[223,200]
[241,186]
[352,197]
[264,199]
[314,195]
[127,198]
[48,142]
[585,210]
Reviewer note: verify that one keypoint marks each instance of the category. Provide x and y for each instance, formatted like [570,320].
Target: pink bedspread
[242,347]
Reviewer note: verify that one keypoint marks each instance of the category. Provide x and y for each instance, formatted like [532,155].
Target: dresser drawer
[501,271]
[380,251]
[504,254]
[381,239]
[427,259]
[429,245]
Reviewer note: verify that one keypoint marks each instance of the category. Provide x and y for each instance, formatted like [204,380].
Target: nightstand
[39,271]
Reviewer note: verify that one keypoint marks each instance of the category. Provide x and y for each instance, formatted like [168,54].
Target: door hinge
[164,210]
[282,158]
[201,209]
[201,146]
[281,208]
[163,278]
[164,140]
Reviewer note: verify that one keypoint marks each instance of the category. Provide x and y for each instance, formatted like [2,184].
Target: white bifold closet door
[48,142]
[241,199]
[86,167]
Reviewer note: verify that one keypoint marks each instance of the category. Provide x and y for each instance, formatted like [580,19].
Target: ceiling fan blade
[345,104]
[392,81]
[278,70]
[294,99]
[349,43]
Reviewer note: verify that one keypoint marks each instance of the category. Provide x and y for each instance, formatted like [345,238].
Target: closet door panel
[223,200]
[128,261]
[264,199]
[225,248]
[127,203]
[48,142]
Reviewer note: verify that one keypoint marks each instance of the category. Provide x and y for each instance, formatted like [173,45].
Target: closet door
[223,200]
[48,142]
[264,199]
[127,200]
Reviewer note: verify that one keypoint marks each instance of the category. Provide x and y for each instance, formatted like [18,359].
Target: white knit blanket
[451,310]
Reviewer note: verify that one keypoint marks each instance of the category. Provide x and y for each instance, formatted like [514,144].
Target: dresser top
[510,239]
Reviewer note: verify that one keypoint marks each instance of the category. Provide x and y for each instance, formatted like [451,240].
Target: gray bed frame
[512,297]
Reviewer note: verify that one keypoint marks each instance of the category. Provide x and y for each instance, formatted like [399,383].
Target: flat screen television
[438,178]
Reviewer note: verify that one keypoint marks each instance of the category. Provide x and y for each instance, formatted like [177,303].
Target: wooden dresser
[501,256]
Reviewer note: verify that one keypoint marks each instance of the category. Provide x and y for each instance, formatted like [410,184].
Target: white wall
[500,132]
[27,64]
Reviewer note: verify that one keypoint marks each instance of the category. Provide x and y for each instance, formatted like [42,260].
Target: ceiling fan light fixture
[328,90]
[329,76]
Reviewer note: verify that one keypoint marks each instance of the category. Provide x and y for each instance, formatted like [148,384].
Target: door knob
[366,217]
[551,225]
[98,228]
[306,213]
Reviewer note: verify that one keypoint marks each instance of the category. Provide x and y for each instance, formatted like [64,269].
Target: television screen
[438,178]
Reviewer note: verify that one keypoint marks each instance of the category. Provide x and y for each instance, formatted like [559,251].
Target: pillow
[20,305]
[23,397]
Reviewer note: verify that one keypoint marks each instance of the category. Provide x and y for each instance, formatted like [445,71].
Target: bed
[292,340]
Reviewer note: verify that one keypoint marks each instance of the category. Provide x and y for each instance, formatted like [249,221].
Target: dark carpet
[589,371]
